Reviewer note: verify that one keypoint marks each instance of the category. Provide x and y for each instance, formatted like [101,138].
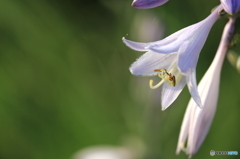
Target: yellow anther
[161,70]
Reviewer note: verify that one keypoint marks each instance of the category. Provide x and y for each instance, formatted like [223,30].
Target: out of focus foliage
[65,83]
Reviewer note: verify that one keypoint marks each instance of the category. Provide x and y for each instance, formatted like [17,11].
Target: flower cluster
[174,60]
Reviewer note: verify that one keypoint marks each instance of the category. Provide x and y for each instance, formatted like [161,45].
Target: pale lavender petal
[170,94]
[151,61]
[168,45]
[188,53]
[145,4]
[231,6]
[147,46]
[204,125]
[209,90]
[176,40]
[192,87]
[202,119]
[165,49]
[192,46]
[197,33]
[135,45]
[184,129]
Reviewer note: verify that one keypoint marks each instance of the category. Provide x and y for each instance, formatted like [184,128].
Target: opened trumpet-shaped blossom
[196,122]
[145,4]
[231,6]
[177,55]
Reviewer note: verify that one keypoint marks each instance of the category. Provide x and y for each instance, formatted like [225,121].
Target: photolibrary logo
[212,152]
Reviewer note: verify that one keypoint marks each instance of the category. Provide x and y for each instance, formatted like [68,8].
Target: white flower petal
[135,45]
[167,45]
[147,46]
[192,87]
[171,38]
[209,90]
[188,53]
[193,130]
[184,129]
[165,49]
[184,66]
[151,61]
[200,123]
[205,124]
[169,94]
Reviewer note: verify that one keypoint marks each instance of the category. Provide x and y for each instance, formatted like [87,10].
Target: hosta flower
[197,121]
[231,6]
[145,4]
[174,57]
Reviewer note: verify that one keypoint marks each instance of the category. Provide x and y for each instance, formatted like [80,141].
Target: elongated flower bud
[196,122]
[145,4]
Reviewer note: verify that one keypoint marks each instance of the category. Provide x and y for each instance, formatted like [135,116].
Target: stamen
[165,76]
[161,70]
[157,85]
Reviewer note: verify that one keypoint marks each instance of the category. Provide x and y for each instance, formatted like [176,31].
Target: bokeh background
[65,83]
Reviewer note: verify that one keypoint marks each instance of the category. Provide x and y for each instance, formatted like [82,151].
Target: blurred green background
[65,83]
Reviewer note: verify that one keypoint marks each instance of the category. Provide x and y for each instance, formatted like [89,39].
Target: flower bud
[231,6]
[145,4]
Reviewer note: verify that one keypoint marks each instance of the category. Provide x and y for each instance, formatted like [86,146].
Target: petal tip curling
[135,45]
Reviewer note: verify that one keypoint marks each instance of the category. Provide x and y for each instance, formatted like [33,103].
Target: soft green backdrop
[65,83]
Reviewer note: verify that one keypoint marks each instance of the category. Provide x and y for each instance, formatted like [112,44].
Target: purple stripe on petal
[189,51]
[231,6]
